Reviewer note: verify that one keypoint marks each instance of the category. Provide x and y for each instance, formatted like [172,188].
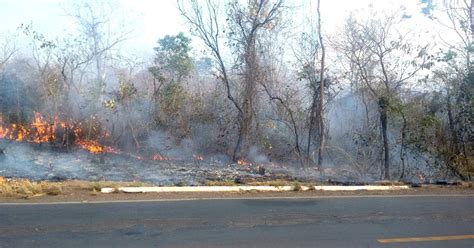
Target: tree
[278,83]
[460,88]
[244,26]
[172,57]
[172,65]
[94,20]
[385,61]
[7,49]
[311,59]
[456,77]
[321,92]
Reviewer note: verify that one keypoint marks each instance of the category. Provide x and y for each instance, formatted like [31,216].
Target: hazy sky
[152,19]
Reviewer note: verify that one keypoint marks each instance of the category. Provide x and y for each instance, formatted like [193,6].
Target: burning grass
[86,135]
[54,130]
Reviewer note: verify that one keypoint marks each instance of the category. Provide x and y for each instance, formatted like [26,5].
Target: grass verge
[25,188]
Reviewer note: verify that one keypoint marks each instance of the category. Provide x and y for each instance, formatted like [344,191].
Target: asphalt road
[435,221]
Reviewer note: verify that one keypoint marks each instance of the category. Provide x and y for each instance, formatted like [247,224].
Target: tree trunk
[246,118]
[312,120]
[452,129]
[242,145]
[293,122]
[383,104]
[402,148]
[321,92]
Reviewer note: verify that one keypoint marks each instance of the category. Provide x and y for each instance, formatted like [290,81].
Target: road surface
[413,221]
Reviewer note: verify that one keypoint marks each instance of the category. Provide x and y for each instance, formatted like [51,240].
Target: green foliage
[172,99]
[427,8]
[450,55]
[157,73]
[394,105]
[172,57]
[126,90]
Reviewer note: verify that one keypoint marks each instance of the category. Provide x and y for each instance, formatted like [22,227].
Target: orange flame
[40,130]
[91,145]
[243,162]
[95,147]
[44,132]
[421,177]
[159,157]
[198,157]
[3,132]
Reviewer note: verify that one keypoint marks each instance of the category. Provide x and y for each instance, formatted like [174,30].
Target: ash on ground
[22,160]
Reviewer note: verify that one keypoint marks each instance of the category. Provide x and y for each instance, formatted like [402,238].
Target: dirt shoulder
[24,191]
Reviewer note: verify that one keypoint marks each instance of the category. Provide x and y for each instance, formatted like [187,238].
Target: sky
[148,18]
[153,19]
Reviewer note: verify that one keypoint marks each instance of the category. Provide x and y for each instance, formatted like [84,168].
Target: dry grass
[97,186]
[467,185]
[221,183]
[26,188]
[274,183]
[390,183]
[94,192]
[297,186]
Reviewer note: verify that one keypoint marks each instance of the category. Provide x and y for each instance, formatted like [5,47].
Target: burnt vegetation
[369,98]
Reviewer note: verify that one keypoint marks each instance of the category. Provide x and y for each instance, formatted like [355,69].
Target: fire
[198,157]
[18,132]
[39,132]
[159,157]
[91,145]
[95,147]
[44,132]
[15,132]
[421,177]
[22,132]
[243,162]
[3,132]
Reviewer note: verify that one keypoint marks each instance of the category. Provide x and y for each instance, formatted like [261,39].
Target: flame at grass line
[159,157]
[95,147]
[198,157]
[243,162]
[42,131]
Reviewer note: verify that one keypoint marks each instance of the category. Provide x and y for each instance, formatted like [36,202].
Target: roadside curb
[248,188]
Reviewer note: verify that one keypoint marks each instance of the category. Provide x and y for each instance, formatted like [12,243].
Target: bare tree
[244,23]
[321,92]
[386,61]
[460,20]
[207,27]
[291,113]
[311,59]
[457,79]
[94,19]
[7,49]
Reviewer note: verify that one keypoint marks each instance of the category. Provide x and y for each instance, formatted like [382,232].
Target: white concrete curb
[245,188]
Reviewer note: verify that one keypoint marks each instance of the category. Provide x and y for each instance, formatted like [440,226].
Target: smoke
[257,157]
[152,142]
